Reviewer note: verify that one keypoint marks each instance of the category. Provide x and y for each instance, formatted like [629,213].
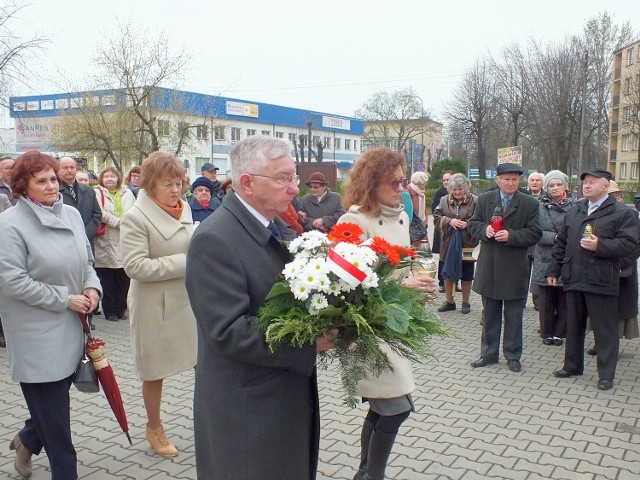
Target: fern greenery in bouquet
[335,280]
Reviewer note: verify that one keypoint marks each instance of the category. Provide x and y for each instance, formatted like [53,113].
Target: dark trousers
[115,287]
[603,310]
[512,341]
[387,424]
[50,426]
[553,312]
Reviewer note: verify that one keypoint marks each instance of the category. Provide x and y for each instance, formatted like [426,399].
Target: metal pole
[584,94]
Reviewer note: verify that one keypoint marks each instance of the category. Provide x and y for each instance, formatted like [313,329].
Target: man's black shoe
[514,365]
[605,384]
[565,374]
[483,362]
[441,288]
[447,307]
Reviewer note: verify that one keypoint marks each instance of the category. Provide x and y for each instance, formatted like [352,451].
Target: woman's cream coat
[163,329]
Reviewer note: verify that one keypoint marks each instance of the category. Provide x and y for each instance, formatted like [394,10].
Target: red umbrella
[106,377]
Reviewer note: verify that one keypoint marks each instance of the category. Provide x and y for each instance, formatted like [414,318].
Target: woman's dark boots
[365,437]
[375,450]
[380,446]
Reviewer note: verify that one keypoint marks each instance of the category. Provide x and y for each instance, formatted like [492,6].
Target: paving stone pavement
[486,423]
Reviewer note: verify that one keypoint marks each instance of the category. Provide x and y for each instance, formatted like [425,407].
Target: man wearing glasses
[256,414]
[321,208]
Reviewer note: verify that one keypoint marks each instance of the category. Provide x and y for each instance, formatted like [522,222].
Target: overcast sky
[325,55]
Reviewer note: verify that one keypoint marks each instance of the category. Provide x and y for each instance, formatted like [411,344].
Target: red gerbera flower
[346,232]
[380,245]
[405,252]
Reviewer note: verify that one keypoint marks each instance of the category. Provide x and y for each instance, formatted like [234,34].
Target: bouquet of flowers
[335,280]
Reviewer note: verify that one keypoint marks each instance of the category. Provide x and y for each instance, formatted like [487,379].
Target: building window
[251,132]
[292,138]
[627,85]
[201,161]
[316,140]
[218,133]
[355,145]
[163,128]
[623,171]
[636,142]
[337,143]
[626,113]
[630,56]
[634,170]
[266,133]
[347,144]
[327,142]
[202,132]
[625,143]
[279,134]
[235,134]
[303,140]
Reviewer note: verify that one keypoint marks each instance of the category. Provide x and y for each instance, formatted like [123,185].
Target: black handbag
[417,229]
[86,379]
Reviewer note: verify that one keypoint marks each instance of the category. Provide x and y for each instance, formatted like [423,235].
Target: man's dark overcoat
[502,272]
[87,204]
[256,414]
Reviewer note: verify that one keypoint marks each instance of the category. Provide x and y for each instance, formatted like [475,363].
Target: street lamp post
[421,129]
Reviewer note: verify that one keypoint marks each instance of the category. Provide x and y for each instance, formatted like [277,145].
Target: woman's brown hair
[26,166]
[369,170]
[112,170]
[159,165]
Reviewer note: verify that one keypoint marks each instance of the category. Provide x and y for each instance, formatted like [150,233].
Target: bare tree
[133,66]
[474,109]
[14,51]
[394,118]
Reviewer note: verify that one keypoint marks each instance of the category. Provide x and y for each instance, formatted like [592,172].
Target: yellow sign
[510,155]
[242,109]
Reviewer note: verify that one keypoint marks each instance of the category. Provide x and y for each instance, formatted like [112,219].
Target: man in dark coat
[256,414]
[502,275]
[80,196]
[595,235]
[435,248]
[322,208]
[6,166]
[208,170]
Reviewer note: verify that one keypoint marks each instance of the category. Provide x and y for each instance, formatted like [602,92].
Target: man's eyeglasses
[401,182]
[284,180]
[315,186]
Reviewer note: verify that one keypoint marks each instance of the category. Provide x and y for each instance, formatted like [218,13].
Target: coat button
[401,222]
[379,222]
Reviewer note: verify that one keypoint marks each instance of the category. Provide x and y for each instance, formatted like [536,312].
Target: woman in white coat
[46,279]
[154,239]
[115,199]
[373,199]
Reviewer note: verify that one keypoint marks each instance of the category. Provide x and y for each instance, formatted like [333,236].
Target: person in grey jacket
[321,208]
[46,280]
[554,204]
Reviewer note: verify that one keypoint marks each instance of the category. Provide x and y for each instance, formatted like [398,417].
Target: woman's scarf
[421,204]
[116,195]
[46,207]
[175,212]
[204,203]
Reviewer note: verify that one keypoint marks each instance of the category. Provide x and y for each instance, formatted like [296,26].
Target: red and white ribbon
[344,269]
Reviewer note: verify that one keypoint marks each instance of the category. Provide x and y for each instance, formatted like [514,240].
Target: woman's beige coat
[163,328]
[107,247]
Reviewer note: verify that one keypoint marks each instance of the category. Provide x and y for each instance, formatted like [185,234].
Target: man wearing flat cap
[595,235]
[321,208]
[208,170]
[502,275]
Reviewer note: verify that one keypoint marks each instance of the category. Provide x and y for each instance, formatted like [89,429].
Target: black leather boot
[365,436]
[380,447]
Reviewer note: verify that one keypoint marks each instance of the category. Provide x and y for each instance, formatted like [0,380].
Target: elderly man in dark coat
[596,234]
[81,197]
[502,275]
[256,413]
[322,208]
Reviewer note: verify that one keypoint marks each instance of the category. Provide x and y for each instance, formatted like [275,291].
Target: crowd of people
[139,245]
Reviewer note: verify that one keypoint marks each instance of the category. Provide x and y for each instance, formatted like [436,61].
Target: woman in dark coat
[451,216]
[552,302]
[201,203]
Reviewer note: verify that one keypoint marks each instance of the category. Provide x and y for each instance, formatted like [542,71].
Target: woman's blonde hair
[369,170]
[159,165]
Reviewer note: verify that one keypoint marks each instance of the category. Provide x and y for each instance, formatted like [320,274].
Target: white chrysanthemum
[294,268]
[310,277]
[300,290]
[319,301]
[371,281]
[295,245]
[324,284]
[345,287]
[334,288]
[318,264]
[314,239]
